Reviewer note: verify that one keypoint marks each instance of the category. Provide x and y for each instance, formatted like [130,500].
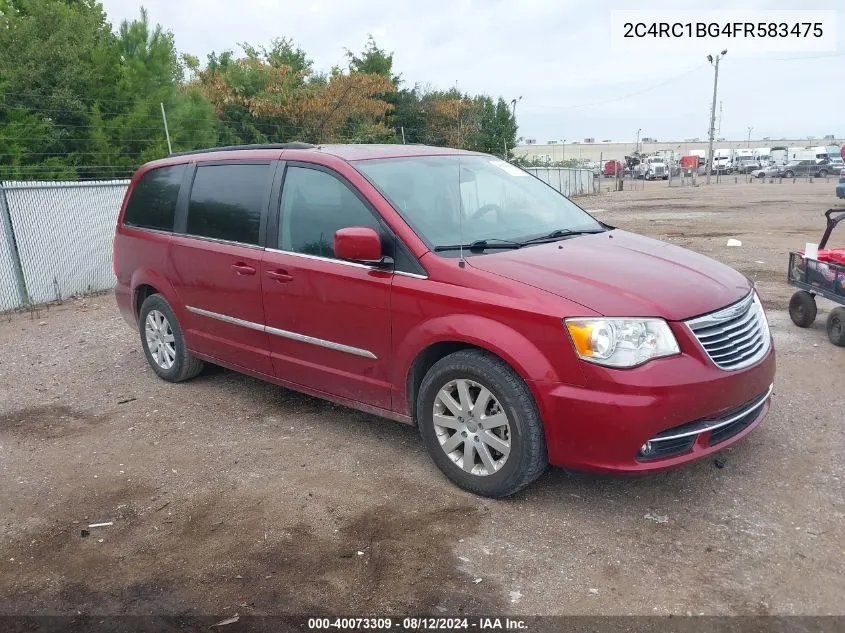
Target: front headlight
[621,342]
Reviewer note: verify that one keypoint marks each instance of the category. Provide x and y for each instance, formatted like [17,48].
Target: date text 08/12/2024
[418,624]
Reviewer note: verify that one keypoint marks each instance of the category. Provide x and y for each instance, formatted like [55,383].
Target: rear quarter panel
[141,257]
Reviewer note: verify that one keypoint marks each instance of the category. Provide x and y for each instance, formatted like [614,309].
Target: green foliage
[81,100]
[373,61]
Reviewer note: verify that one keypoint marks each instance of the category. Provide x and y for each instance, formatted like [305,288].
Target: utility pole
[513,105]
[403,134]
[166,132]
[513,115]
[637,144]
[748,142]
[713,114]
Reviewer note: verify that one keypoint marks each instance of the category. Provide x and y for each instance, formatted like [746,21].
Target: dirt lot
[231,495]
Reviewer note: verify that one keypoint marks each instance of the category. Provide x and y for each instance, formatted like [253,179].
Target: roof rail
[232,148]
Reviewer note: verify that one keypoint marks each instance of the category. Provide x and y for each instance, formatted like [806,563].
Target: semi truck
[744,161]
[722,161]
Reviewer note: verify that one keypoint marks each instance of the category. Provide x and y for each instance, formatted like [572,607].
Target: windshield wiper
[561,233]
[480,245]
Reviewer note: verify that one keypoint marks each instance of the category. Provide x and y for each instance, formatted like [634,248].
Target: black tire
[761,175]
[185,365]
[789,174]
[527,458]
[836,326]
[823,173]
[802,308]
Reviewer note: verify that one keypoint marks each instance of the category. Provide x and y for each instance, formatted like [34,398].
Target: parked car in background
[592,166]
[840,188]
[611,167]
[772,171]
[807,167]
[444,289]
[746,165]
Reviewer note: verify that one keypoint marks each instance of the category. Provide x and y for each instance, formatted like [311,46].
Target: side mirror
[359,244]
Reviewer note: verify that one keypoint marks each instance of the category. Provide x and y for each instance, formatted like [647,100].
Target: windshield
[494,200]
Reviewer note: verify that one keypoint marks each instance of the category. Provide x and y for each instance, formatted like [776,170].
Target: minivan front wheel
[480,424]
[163,343]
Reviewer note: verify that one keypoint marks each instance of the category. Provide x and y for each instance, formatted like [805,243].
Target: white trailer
[803,153]
[763,155]
[779,155]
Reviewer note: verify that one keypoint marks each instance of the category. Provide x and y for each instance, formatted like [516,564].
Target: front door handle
[281,276]
[243,269]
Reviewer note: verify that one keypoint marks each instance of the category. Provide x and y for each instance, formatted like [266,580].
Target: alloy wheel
[472,427]
[160,340]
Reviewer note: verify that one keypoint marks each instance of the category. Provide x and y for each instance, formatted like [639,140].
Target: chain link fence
[570,182]
[56,239]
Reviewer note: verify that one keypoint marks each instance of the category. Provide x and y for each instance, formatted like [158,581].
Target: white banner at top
[744,31]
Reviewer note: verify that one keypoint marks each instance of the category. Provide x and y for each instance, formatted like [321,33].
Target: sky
[557,55]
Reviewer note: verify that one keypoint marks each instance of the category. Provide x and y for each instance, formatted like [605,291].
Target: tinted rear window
[226,201]
[153,201]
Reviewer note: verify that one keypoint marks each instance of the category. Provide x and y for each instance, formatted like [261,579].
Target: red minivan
[449,290]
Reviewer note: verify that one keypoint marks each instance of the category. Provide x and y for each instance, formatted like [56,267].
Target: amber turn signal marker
[581,334]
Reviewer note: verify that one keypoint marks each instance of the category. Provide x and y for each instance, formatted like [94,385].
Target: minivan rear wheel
[163,343]
[480,424]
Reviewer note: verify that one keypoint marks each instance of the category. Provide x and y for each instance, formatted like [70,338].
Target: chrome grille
[736,336]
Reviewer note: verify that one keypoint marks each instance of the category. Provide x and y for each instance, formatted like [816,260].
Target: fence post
[5,215]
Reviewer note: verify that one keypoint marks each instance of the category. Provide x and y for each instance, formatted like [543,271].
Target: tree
[373,61]
[264,97]
[56,58]
[325,108]
[78,100]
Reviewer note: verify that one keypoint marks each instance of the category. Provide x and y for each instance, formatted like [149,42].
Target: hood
[622,274]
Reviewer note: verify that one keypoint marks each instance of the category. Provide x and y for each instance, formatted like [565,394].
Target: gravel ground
[230,495]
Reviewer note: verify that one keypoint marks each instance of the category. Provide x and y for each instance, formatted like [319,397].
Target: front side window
[462,199]
[315,204]
[226,201]
[152,203]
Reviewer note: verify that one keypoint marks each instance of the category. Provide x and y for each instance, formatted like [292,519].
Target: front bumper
[603,426]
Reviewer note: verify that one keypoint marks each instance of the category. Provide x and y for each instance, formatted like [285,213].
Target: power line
[92,100]
[51,140]
[786,59]
[623,97]
[71,153]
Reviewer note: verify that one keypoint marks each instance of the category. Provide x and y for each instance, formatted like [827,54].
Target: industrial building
[590,150]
